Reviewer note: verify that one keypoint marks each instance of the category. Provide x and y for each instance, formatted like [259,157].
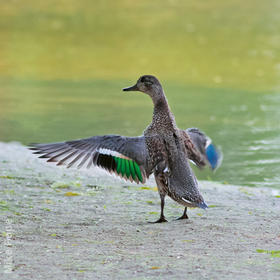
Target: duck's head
[148,84]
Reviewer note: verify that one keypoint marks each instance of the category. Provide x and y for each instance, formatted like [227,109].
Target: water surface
[244,124]
[63,64]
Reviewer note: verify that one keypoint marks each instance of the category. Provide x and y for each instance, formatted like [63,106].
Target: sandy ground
[59,223]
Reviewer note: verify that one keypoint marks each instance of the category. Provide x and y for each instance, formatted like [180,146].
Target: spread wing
[125,156]
[205,150]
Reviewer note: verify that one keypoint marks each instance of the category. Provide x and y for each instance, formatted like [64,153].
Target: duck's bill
[133,88]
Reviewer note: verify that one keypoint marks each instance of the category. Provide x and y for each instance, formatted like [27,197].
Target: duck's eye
[146,81]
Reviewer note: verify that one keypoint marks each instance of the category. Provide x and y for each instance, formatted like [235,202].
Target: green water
[245,124]
[63,64]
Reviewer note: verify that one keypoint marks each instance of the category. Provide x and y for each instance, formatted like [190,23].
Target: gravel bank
[59,223]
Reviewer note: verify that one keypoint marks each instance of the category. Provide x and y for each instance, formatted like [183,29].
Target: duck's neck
[162,115]
[161,105]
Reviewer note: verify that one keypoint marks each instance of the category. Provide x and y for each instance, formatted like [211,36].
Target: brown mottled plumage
[169,149]
[163,150]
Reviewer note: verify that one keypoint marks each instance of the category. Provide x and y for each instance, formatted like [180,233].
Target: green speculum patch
[126,167]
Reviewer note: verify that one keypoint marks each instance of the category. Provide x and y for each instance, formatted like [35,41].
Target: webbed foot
[184,216]
[160,220]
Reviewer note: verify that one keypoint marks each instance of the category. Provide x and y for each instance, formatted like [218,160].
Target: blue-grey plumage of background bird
[163,149]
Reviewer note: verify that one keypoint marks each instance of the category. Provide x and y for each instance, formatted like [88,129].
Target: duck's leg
[184,216]
[161,218]
[162,186]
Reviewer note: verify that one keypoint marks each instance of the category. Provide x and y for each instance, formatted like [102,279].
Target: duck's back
[182,181]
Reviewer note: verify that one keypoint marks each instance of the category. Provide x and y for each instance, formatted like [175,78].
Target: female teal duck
[163,149]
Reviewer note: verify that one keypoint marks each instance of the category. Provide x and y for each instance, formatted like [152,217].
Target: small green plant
[273,253]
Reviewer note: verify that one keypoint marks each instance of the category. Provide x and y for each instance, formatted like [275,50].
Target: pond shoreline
[84,224]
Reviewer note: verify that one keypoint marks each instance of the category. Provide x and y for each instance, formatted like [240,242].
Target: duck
[163,150]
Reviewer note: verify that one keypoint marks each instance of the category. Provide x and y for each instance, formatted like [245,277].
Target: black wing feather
[88,152]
